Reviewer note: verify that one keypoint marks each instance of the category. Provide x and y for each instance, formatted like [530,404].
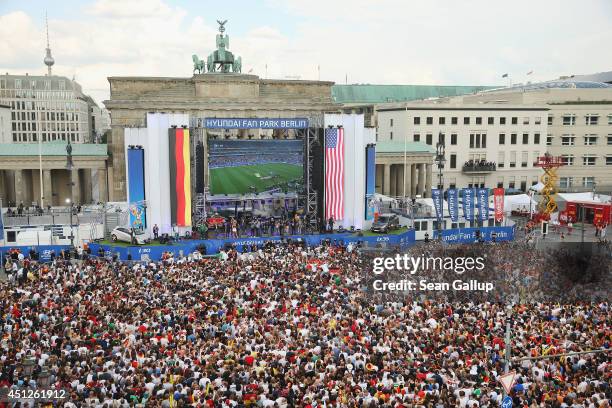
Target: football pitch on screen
[254,178]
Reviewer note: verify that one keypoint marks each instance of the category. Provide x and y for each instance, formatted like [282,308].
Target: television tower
[49,61]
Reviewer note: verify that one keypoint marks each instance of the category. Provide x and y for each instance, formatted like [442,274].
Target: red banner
[498,204]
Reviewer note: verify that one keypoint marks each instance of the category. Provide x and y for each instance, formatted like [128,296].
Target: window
[567,140]
[512,159]
[491,120]
[538,120]
[391,122]
[500,182]
[566,182]
[525,138]
[536,138]
[550,120]
[442,120]
[513,138]
[515,121]
[391,135]
[18,84]
[501,157]
[609,140]
[471,140]
[479,121]
[608,160]
[588,182]
[590,140]
[453,139]
[609,119]
[417,120]
[525,121]
[502,121]
[454,120]
[484,140]
[428,139]
[430,120]
[569,120]
[567,159]
[536,156]
[549,140]
[466,121]
[524,159]
[592,119]
[416,137]
[453,161]
[502,138]
[588,160]
[511,183]
[523,184]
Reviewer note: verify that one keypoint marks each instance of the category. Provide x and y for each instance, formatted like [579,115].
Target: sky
[434,42]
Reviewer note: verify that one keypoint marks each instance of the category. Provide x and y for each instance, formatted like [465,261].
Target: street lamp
[440,160]
[70,204]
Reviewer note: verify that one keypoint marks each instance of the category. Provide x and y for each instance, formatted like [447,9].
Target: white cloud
[386,41]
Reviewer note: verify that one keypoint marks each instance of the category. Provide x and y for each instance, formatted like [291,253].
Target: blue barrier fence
[44,251]
[467,235]
[213,246]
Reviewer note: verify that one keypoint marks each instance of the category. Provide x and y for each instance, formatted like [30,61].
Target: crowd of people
[248,159]
[292,326]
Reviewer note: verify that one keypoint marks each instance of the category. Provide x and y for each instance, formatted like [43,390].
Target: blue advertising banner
[256,123]
[468,235]
[453,204]
[436,195]
[44,251]
[136,188]
[468,203]
[213,246]
[370,181]
[483,203]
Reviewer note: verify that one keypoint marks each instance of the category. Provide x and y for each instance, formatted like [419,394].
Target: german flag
[180,177]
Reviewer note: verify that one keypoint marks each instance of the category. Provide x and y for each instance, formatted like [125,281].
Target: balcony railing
[471,167]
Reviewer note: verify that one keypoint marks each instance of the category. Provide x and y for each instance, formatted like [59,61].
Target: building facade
[579,128]
[486,145]
[5,124]
[50,107]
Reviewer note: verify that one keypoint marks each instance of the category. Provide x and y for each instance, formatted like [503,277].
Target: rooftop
[367,93]
[556,84]
[390,146]
[52,149]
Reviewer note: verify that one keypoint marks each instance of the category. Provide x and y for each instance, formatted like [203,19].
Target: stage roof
[366,93]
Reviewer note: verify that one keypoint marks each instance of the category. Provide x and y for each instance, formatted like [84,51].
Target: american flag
[334,173]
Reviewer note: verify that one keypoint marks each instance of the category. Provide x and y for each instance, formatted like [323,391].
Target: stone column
[428,179]
[393,186]
[76,187]
[19,187]
[3,190]
[86,195]
[421,188]
[47,187]
[413,180]
[103,195]
[386,180]
[408,181]
[399,186]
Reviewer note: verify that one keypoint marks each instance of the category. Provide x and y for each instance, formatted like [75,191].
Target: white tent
[587,196]
[537,187]
[519,202]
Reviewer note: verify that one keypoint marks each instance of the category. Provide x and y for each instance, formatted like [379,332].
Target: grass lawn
[393,232]
[237,180]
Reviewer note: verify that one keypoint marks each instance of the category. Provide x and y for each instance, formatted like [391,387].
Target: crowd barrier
[214,246]
[467,235]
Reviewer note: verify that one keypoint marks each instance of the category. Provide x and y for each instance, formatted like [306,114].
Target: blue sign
[436,195]
[507,402]
[468,235]
[468,203]
[256,123]
[483,203]
[453,204]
